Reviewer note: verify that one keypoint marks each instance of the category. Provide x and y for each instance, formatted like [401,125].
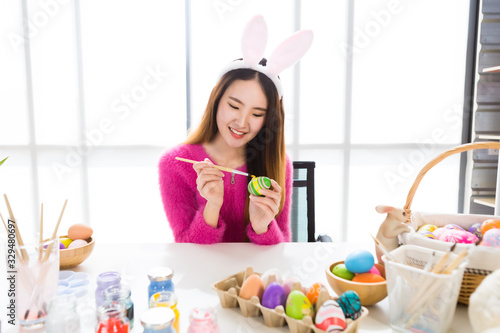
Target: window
[105,87]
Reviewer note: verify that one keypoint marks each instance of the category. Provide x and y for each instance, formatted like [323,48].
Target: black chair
[303,222]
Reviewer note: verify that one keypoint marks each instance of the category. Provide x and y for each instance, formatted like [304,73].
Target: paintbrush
[223,168]
[383,249]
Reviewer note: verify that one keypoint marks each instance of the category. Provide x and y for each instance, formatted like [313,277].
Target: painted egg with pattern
[458,236]
[330,317]
[313,292]
[350,303]
[453,226]
[428,227]
[439,231]
[427,234]
[298,305]
[475,229]
[491,238]
[490,224]
[257,184]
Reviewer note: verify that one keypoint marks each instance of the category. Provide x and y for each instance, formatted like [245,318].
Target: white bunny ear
[254,40]
[289,51]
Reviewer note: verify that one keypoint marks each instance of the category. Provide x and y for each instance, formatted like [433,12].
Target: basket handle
[439,158]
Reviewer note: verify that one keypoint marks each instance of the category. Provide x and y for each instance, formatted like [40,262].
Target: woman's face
[241,112]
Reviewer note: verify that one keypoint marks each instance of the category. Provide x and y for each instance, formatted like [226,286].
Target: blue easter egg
[351,304]
[359,261]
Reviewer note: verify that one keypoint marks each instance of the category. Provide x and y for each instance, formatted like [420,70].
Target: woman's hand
[209,183]
[262,210]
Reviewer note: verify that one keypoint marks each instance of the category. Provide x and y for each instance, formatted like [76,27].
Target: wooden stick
[456,262]
[24,253]
[40,250]
[383,249]
[54,234]
[217,167]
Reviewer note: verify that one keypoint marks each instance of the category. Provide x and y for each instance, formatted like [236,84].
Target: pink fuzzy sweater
[184,205]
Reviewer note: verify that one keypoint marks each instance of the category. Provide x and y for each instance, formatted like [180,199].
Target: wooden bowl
[73,257]
[369,293]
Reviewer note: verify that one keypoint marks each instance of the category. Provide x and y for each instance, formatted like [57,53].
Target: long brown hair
[265,154]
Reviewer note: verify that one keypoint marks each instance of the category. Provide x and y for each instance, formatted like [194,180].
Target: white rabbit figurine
[393,225]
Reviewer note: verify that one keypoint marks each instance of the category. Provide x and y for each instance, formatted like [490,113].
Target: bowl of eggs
[361,274]
[76,246]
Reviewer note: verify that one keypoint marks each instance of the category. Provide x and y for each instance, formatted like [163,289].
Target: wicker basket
[482,260]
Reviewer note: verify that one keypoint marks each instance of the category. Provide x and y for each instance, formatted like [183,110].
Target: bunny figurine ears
[253,44]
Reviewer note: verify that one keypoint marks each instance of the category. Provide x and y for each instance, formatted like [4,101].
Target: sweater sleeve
[279,228]
[181,203]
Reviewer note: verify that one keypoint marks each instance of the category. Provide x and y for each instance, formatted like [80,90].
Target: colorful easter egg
[61,246]
[458,236]
[66,241]
[273,296]
[491,238]
[252,286]
[298,305]
[77,243]
[428,227]
[427,234]
[257,184]
[330,317]
[313,292]
[368,278]
[475,229]
[350,304]
[490,224]
[341,271]
[359,261]
[80,231]
[374,270]
[453,226]
[439,231]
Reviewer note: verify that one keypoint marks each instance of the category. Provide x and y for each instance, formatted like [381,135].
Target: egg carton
[228,291]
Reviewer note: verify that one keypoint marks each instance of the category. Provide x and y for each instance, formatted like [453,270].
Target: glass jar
[112,318]
[62,316]
[161,280]
[166,299]
[203,320]
[158,320]
[105,280]
[121,293]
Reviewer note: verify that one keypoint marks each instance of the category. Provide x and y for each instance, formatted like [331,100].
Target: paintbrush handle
[456,262]
[223,168]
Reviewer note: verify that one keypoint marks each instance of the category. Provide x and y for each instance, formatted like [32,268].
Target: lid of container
[158,318]
[160,274]
[108,277]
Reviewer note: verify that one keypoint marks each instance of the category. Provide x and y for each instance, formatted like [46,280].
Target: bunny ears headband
[253,44]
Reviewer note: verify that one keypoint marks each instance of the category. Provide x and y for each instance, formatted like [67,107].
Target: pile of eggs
[299,302]
[77,237]
[487,232]
[359,266]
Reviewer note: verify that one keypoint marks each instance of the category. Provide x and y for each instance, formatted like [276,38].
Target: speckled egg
[491,238]
[350,303]
[490,224]
[257,184]
[330,317]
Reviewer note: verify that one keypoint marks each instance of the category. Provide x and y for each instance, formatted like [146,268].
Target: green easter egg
[341,271]
[298,305]
[257,184]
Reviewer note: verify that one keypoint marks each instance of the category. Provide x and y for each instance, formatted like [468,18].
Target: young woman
[243,129]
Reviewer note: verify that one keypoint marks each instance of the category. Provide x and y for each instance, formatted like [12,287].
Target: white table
[196,267]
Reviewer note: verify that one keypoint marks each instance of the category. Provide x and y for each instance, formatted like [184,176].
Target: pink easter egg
[438,232]
[374,270]
[491,238]
[77,243]
[458,236]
